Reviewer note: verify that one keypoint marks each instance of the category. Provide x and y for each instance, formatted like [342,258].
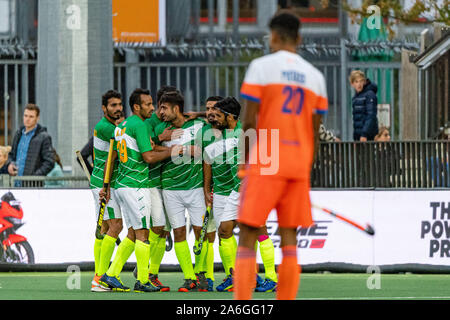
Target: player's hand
[241,171]
[194,151]
[104,194]
[208,200]
[152,144]
[176,151]
[191,115]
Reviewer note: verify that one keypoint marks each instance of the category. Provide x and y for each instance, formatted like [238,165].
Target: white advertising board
[410,227]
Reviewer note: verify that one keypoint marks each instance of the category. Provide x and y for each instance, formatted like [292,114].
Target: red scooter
[14,247]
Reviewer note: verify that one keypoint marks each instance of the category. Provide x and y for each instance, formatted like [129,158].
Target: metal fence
[200,79]
[66,182]
[403,164]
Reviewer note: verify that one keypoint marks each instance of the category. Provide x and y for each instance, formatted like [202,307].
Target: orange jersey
[289,90]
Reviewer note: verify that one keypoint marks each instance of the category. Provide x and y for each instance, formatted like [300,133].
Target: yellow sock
[157,255]
[97,253]
[142,252]
[267,251]
[184,258]
[200,258]
[124,251]
[107,249]
[209,261]
[228,253]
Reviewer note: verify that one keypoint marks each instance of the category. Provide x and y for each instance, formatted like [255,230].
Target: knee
[179,234]
[115,227]
[225,231]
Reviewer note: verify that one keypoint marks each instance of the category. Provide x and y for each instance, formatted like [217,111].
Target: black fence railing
[396,164]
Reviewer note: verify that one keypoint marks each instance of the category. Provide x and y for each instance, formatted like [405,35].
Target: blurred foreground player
[285,99]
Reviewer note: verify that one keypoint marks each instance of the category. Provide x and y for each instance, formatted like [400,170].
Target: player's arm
[154,156]
[207,176]
[194,115]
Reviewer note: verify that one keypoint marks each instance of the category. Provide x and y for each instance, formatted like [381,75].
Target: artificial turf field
[313,286]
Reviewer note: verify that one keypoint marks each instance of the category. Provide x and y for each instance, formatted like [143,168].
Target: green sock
[97,254]
[184,258]
[200,258]
[268,257]
[124,251]
[228,253]
[142,252]
[157,255]
[108,245]
[209,261]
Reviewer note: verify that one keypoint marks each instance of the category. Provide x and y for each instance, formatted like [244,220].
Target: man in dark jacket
[31,153]
[364,107]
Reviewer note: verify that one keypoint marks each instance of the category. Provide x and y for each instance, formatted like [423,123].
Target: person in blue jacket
[364,107]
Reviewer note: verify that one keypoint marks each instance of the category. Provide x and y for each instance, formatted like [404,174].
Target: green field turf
[52,286]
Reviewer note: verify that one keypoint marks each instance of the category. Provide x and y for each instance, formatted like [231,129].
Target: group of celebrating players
[168,162]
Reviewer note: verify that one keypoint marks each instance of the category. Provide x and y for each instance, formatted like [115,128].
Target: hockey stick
[83,165]
[198,250]
[368,229]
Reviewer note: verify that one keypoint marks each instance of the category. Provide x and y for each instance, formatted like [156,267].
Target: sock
[228,253]
[142,252]
[289,274]
[244,276]
[124,251]
[267,251]
[157,255]
[107,249]
[209,262]
[184,258]
[200,259]
[97,253]
[153,240]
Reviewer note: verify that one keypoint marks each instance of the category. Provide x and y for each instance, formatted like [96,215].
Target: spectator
[4,162]
[364,105]
[57,171]
[31,153]
[383,134]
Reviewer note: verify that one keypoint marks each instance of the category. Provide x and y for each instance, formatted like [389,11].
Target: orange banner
[138,21]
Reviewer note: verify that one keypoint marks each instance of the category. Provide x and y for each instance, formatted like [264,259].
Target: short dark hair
[110,94]
[164,89]
[33,107]
[229,105]
[214,98]
[174,98]
[135,97]
[286,24]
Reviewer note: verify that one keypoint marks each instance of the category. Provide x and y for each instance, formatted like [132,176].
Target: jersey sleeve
[321,106]
[253,83]
[143,138]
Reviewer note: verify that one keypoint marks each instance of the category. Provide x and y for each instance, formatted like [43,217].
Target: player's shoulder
[103,128]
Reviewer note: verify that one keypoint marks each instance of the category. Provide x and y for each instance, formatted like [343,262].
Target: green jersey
[132,139]
[216,151]
[154,168]
[103,132]
[185,173]
[234,136]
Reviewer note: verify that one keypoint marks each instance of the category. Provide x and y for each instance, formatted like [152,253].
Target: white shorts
[211,223]
[158,213]
[219,204]
[177,202]
[136,206]
[112,210]
[230,210]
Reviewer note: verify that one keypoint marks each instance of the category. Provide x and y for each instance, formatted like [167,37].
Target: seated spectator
[4,162]
[57,171]
[383,135]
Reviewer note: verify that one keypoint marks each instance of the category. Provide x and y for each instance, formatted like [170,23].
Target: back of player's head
[164,89]
[286,24]
[110,94]
[135,97]
[214,99]
[175,98]
[229,105]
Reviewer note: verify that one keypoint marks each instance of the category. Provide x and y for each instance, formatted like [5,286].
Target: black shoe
[146,287]
[202,282]
[189,285]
